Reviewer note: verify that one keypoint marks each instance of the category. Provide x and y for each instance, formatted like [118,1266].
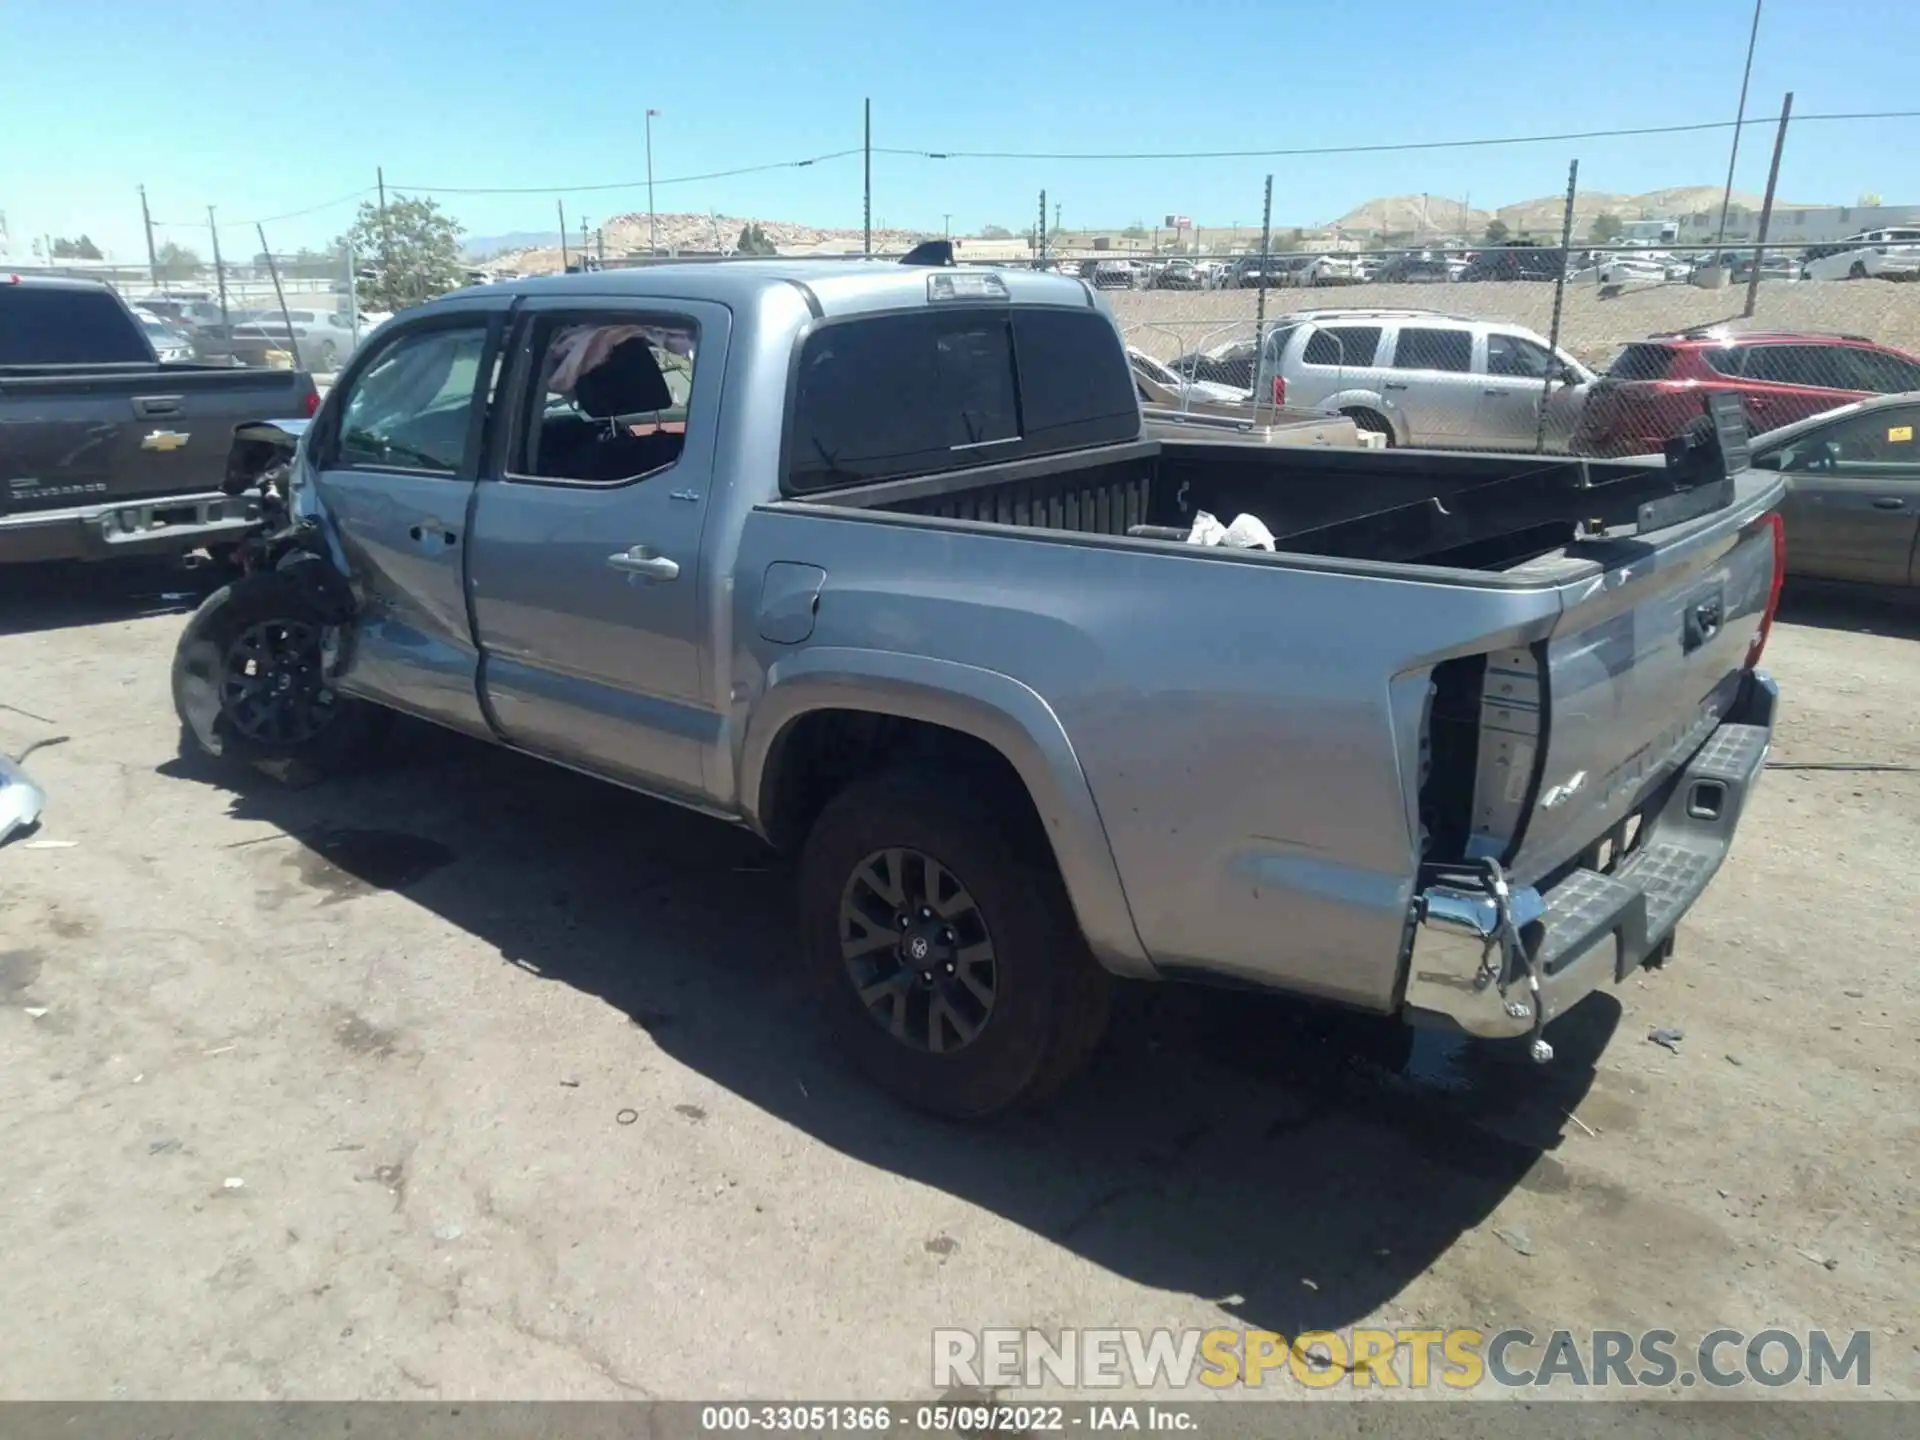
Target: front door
[1510,393]
[1853,503]
[394,471]
[589,597]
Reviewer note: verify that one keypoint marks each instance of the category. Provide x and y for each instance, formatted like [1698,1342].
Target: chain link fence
[1455,347]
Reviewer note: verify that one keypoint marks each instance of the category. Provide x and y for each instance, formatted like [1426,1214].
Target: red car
[1654,387]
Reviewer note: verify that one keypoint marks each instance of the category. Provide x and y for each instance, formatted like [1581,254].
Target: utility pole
[1056,218]
[560,208]
[390,300]
[1739,121]
[1766,205]
[1559,296]
[653,238]
[600,244]
[1260,304]
[946,223]
[153,259]
[273,272]
[219,270]
[866,202]
[583,240]
[1040,236]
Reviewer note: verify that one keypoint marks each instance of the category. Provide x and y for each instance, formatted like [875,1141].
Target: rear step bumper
[1590,929]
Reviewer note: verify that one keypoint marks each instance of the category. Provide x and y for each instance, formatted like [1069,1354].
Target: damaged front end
[256,669]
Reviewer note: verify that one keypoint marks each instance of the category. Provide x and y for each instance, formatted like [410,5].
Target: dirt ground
[472,1078]
[1167,323]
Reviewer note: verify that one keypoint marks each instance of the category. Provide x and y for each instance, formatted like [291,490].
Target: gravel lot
[1590,328]
[474,1078]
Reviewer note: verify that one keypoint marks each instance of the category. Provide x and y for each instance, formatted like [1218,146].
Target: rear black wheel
[1371,420]
[945,950]
[1858,271]
[252,678]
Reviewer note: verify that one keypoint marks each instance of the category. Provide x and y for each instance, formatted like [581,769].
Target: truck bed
[1489,512]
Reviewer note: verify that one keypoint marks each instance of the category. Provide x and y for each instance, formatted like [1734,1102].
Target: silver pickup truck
[880,563]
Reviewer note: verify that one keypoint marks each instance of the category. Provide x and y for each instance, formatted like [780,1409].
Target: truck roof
[53,282]
[835,286]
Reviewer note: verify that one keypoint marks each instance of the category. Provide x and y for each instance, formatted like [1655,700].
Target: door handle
[1493,392]
[1394,385]
[147,406]
[1888,502]
[642,561]
[428,534]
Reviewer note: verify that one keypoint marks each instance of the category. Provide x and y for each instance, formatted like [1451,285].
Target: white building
[1816,224]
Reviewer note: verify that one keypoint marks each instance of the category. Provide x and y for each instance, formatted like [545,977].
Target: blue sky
[263,108]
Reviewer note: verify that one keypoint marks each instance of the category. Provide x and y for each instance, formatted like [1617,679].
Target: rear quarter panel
[1248,728]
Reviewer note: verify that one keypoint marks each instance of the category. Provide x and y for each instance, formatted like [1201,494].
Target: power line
[1483,142]
[623,184]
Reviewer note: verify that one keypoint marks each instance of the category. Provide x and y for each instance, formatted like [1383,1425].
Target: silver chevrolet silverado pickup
[879,562]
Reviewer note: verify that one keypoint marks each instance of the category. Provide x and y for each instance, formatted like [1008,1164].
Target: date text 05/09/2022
[945,1418]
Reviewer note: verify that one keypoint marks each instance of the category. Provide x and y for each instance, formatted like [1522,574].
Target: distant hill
[536,251]
[1436,213]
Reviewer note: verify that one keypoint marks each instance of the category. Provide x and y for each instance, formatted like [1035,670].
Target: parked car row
[191,327]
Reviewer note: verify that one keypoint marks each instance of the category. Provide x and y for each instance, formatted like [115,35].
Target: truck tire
[249,683]
[944,951]
[1373,420]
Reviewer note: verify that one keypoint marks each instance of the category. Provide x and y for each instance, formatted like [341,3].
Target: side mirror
[1829,454]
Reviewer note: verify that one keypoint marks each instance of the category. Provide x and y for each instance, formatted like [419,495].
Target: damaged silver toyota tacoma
[879,562]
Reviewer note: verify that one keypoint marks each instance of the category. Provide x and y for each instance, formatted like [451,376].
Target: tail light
[313,402]
[1774,523]
[1279,391]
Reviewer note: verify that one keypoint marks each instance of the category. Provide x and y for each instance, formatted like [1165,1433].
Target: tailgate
[1641,666]
[102,437]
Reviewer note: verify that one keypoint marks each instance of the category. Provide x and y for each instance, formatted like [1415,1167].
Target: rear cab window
[52,325]
[883,397]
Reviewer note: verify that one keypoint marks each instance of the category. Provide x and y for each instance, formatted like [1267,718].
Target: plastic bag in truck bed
[1246,533]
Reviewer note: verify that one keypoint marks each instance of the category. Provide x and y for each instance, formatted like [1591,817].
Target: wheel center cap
[919,949]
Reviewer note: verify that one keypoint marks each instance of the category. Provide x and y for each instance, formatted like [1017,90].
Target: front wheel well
[820,753]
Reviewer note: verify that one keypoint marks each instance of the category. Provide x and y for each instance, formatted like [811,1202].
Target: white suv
[1425,379]
[1875,254]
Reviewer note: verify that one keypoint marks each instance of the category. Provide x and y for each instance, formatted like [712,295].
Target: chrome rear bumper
[1590,929]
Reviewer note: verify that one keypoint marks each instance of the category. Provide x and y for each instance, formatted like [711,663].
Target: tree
[753,241]
[81,249]
[1497,231]
[1606,228]
[409,254]
[1135,231]
[995,232]
[176,262]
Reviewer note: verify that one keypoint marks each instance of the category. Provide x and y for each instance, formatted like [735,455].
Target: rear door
[394,468]
[1783,383]
[1853,504]
[1431,384]
[1334,359]
[589,599]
